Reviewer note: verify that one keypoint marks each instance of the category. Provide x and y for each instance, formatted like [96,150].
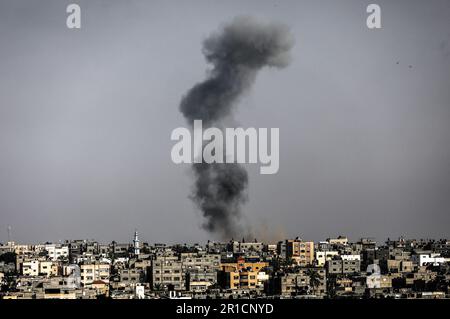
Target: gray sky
[86,117]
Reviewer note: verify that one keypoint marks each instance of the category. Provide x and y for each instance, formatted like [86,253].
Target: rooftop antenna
[9,233]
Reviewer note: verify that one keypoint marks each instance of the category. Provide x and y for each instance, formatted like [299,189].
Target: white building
[93,272]
[139,291]
[323,256]
[262,277]
[30,268]
[55,252]
[48,268]
[429,259]
[341,240]
[351,257]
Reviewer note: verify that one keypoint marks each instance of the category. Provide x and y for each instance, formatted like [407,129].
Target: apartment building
[342,267]
[91,272]
[238,247]
[201,261]
[323,256]
[200,280]
[341,240]
[239,279]
[302,252]
[30,268]
[167,273]
[48,268]
[244,264]
[55,252]
[300,282]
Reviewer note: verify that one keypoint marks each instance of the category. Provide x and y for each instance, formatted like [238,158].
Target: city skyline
[336,268]
[143,239]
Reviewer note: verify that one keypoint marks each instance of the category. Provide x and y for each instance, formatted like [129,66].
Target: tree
[9,257]
[314,279]
[157,287]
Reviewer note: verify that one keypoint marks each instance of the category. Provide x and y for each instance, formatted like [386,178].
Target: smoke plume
[237,52]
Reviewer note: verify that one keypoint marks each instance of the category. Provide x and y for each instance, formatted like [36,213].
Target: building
[48,268]
[56,252]
[343,267]
[242,247]
[131,276]
[120,250]
[300,251]
[244,264]
[238,279]
[101,287]
[200,261]
[341,240]
[30,268]
[299,283]
[167,273]
[91,272]
[243,274]
[428,259]
[200,280]
[323,256]
[350,257]
[396,266]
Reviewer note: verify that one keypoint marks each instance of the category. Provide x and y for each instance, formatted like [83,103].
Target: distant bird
[410,66]
[398,62]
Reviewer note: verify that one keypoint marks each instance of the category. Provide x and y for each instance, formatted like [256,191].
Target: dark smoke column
[237,53]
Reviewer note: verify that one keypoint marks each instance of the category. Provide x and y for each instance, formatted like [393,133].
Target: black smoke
[237,52]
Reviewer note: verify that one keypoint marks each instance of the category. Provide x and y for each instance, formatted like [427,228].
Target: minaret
[9,233]
[136,243]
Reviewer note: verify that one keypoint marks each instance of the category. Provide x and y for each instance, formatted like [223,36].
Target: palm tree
[157,287]
[314,278]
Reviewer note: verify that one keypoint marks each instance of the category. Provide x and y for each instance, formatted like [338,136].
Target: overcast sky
[86,117]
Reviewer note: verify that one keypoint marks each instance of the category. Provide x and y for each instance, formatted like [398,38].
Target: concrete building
[238,247]
[396,266]
[342,267]
[131,276]
[56,252]
[281,249]
[350,257]
[30,268]
[120,250]
[243,264]
[241,279]
[242,274]
[300,251]
[298,283]
[341,240]
[167,273]
[200,261]
[200,280]
[48,268]
[91,272]
[323,256]
[428,259]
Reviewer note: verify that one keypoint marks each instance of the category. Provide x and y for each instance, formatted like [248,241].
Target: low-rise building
[30,268]
[167,273]
[342,267]
[91,272]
